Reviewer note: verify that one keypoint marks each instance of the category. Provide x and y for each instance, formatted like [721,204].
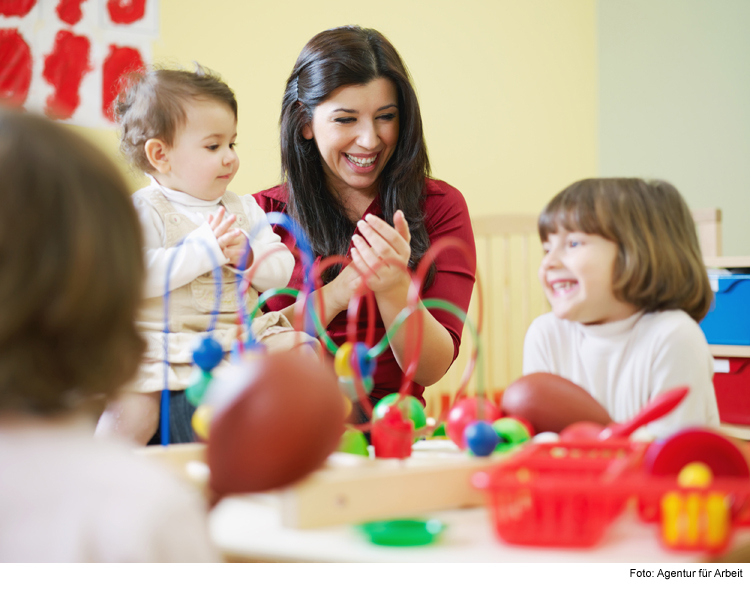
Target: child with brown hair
[71,276]
[624,275]
[180,129]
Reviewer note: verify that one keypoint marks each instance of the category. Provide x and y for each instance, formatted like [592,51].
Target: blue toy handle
[165,395]
[276,218]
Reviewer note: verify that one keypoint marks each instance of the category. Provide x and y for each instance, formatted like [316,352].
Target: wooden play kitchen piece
[655,409]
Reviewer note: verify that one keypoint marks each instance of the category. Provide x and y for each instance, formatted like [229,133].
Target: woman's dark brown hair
[342,57]
[659,264]
[152,106]
[71,269]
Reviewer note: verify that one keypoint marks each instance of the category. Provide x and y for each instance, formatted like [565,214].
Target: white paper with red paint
[65,58]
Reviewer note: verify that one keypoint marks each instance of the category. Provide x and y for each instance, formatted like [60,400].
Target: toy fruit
[481,438]
[657,407]
[410,405]
[551,403]
[581,431]
[511,433]
[284,416]
[465,412]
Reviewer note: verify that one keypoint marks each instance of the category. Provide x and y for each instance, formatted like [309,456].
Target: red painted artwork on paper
[64,69]
[126,12]
[69,11]
[119,62]
[16,7]
[15,67]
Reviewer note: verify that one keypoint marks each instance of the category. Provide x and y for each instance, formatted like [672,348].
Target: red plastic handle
[655,409]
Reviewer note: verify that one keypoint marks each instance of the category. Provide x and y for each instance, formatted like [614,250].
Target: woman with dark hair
[356,178]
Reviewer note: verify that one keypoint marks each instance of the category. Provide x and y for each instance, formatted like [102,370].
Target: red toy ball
[465,412]
[285,421]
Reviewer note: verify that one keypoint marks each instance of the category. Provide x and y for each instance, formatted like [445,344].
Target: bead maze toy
[225,421]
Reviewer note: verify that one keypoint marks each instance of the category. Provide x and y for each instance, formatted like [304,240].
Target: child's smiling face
[577,276]
[202,160]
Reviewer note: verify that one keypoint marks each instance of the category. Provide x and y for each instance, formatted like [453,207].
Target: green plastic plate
[403,532]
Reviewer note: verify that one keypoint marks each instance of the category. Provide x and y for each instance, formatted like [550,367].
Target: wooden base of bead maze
[352,489]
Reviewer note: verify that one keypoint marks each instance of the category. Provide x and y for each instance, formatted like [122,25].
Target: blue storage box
[728,321]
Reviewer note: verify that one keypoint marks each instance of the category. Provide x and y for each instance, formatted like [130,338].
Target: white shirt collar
[182,198]
[611,329]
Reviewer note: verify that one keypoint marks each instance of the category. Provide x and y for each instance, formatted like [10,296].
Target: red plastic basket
[559,494]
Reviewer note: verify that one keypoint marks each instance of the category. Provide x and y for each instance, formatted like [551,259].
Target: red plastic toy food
[551,403]
[392,434]
[286,419]
[661,405]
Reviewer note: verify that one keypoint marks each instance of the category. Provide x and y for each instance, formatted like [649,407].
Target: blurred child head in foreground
[71,269]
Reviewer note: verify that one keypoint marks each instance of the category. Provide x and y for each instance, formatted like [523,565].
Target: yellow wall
[507,87]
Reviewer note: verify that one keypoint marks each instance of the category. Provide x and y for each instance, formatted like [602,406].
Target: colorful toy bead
[481,438]
[201,421]
[366,363]
[208,354]
[464,412]
[353,441]
[409,404]
[342,363]
[511,433]
[196,390]
[440,431]
[349,389]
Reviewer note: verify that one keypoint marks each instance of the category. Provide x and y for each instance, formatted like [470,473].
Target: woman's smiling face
[356,131]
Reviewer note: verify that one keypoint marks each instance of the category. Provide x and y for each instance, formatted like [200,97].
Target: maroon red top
[446,214]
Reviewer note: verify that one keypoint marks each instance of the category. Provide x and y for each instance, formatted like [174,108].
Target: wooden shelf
[729,350]
[727,262]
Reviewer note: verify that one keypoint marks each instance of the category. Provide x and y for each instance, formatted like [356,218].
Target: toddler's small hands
[233,245]
[221,224]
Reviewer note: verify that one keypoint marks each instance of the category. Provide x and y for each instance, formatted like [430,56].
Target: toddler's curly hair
[152,106]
